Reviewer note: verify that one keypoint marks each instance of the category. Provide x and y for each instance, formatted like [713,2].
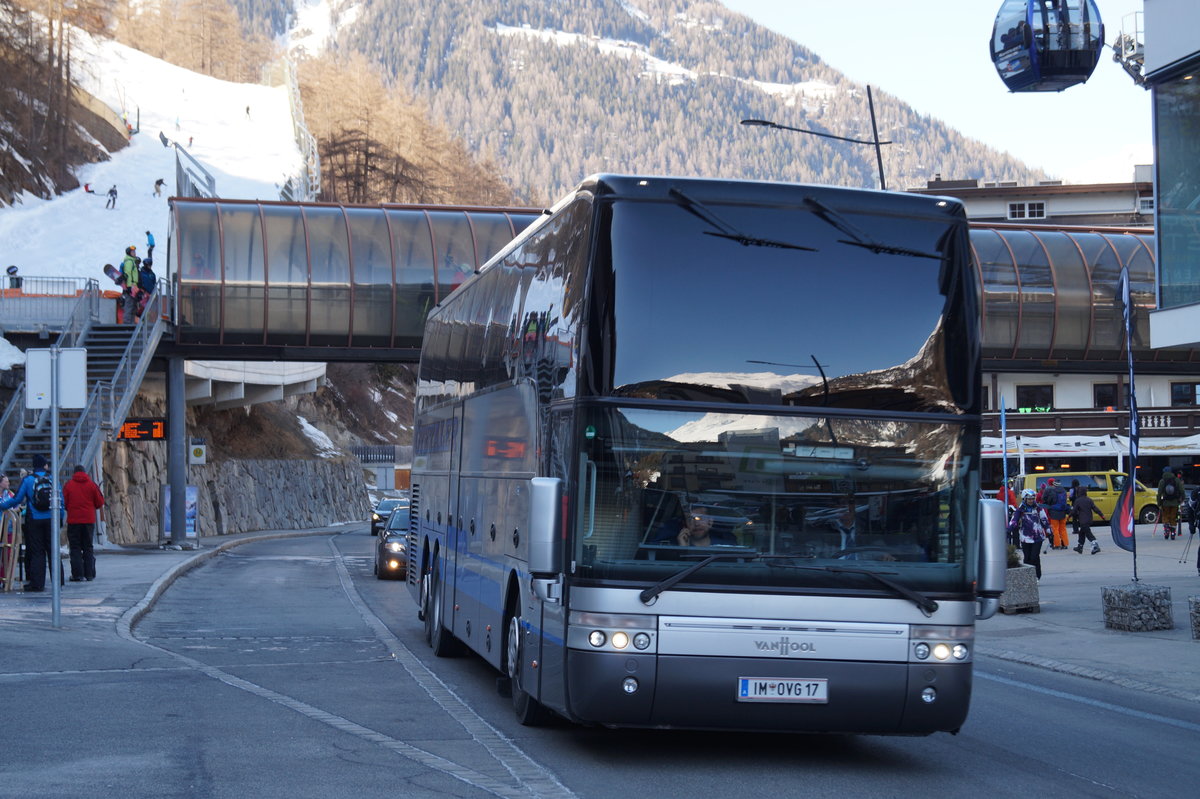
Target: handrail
[132,367]
[86,435]
[85,311]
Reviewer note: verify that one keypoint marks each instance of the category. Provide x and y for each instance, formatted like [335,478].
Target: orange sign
[143,430]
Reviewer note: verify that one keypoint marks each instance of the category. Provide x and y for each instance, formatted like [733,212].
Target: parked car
[391,550]
[1103,488]
[383,509]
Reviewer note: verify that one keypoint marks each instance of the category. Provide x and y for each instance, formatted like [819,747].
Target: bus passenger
[697,530]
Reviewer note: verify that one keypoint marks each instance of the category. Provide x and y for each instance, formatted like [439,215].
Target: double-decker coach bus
[704,454]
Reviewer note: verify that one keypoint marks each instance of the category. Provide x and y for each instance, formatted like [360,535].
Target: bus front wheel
[529,711]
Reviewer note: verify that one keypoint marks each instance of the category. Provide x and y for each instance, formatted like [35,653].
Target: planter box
[1137,607]
[1020,591]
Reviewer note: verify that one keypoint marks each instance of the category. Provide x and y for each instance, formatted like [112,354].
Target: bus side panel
[498,458]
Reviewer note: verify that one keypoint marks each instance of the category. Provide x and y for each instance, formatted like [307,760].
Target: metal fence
[41,303]
[382,453]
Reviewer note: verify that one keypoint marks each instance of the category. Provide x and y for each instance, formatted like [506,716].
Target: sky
[934,56]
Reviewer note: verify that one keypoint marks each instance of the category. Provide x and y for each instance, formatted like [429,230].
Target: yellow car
[1102,487]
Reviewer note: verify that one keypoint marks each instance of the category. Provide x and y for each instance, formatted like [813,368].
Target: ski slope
[250,155]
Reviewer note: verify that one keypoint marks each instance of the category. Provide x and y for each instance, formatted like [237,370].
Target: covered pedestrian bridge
[320,282]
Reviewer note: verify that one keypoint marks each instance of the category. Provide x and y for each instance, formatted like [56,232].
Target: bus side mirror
[993,557]
[545,525]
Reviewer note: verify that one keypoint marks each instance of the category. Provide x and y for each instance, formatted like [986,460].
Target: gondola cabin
[1046,45]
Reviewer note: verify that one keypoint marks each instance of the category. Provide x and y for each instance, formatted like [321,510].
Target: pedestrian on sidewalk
[1054,498]
[37,491]
[83,500]
[1170,493]
[1032,526]
[1083,512]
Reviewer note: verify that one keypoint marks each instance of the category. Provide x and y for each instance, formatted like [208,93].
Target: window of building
[1027,210]
[1035,399]
[1145,205]
[1104,396]
[1177,151]
[1185,394]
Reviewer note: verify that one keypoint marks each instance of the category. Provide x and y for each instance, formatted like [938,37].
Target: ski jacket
[82,498]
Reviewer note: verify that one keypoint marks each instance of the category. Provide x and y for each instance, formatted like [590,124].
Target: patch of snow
[324,445]
[10,356]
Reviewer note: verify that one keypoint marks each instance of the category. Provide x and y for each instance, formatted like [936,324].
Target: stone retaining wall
[234,496]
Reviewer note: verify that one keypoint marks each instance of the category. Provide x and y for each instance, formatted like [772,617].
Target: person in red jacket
[82,498]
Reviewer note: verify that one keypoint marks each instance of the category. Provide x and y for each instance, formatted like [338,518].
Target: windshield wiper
[860,239]
[927,605]
[727,231]
[741,553]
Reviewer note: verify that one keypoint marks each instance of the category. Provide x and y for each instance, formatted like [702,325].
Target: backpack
[43,490]
[1169,489]
[146,279]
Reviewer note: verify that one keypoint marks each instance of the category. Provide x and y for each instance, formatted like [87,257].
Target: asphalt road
[284,668]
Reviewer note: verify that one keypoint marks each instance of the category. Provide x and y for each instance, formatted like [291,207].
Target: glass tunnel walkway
[323,282]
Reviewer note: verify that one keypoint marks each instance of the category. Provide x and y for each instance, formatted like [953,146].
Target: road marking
[1083,700]
[531,780]
[529,773]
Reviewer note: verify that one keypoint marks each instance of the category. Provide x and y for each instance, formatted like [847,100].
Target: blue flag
[1122,517]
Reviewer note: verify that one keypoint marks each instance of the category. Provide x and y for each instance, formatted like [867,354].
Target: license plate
[775,689]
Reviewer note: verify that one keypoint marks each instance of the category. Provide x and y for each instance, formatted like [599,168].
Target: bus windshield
[658,489]
[810,304]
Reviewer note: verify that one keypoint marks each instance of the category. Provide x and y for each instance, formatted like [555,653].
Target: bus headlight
[941,642]
[611,632]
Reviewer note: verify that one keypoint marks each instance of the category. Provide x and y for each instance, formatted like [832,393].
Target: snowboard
[114,274]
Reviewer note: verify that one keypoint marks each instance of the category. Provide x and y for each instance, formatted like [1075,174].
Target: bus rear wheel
[440,640]
[529,711]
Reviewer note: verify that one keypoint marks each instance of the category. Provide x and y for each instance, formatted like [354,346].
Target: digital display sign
[143,430]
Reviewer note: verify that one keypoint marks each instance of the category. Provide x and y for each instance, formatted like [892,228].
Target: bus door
[553,613]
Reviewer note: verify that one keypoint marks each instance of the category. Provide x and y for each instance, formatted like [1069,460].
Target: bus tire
[440,640]
[529,711]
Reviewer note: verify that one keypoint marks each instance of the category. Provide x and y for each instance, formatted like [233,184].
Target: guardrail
[306,186]
[191,178]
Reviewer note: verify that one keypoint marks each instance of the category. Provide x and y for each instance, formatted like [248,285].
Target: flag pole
[1122,521]
[1004,451]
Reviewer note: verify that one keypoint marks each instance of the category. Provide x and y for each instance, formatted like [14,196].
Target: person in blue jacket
[37,525]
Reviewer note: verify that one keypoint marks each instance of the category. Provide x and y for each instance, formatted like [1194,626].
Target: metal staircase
[118,357]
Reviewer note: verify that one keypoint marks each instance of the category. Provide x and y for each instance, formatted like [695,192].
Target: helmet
[1028,493]
[130,250]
